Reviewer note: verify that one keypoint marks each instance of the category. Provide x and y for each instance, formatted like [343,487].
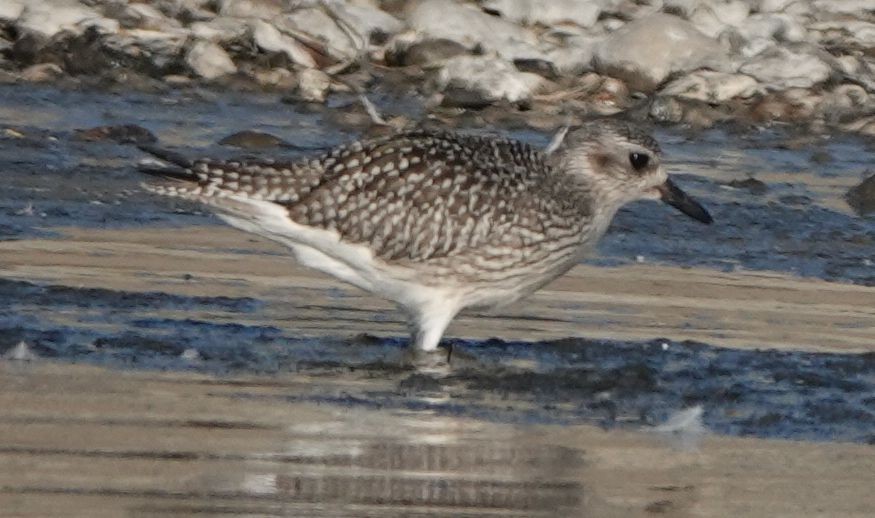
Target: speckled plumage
[414,196]
[435,221]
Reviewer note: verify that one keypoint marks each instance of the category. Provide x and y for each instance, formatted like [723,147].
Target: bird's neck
[594,203]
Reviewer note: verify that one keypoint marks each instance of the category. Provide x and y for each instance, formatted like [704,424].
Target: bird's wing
[411,196]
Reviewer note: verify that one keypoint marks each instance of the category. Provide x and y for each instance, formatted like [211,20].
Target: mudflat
[82,440]
[750,309]
[180,368]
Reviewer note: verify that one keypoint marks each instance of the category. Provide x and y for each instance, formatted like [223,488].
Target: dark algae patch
[60,296]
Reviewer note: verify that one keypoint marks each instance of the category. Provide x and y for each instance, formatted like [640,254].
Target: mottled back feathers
[412,196]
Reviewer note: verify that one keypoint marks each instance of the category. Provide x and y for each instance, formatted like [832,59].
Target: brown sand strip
[744,309]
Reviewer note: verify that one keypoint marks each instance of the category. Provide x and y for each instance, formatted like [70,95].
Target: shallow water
[83,441]
[799,226]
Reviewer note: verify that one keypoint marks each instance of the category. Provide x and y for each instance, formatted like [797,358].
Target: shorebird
[436,221]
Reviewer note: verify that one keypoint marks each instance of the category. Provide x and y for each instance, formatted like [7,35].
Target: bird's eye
[639,160]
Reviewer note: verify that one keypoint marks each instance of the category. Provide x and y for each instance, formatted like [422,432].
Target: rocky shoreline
[528,63]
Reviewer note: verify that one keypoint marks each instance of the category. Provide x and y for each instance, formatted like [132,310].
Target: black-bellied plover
[437,221]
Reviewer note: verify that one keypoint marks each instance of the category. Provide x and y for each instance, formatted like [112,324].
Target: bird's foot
[459,356]
[446,358]
[434,362]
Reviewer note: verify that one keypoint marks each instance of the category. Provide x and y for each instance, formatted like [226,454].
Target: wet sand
[85,441]
[750,309]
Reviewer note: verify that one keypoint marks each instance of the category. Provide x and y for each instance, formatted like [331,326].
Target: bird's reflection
[434,464]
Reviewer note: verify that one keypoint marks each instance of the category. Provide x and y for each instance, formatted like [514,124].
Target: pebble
[42,73]
[251,8]
[252,139]
[644,52]
[313,85]
[688,61]
[221,29]
[711,87]
[366,20]
[584,13]
[470,26]
[270,39]
[425,52]
[280,79]
[49,18]
[11,9]
[781,68]
[124,133]
[144,16]
[340,43]
[861,197]
[209,60]
[478,81]
[750,184]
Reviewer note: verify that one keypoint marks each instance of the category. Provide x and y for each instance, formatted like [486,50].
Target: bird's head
[621,163]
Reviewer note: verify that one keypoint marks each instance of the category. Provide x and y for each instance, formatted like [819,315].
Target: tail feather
[172,165]
[167,155]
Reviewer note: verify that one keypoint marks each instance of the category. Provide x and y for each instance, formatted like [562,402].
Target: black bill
[674,196]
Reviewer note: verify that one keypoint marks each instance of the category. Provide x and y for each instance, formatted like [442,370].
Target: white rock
[366,20]
[782,68]
[779,27]
[711,87]
[847,98]
[313,85]
[209,60]
[856,31]
[666,109]
[148,17]
[48,17]
[755,46]
[220,29]
[267,9]
[317,24]
[646,51]
[849,65]
[574,56]
[11,9]
[863,126]
[194,10]
[612,24]
[470,26]
[279,78]
[712,18]
[42,72]
[772,6]
[161,47]
[855,7]
[268,38]
[488,78]
[547,12]
[682,8]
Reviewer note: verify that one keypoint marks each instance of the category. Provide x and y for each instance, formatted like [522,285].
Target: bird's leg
[427,325]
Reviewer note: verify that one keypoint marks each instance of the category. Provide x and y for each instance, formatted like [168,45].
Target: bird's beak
[674,196]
